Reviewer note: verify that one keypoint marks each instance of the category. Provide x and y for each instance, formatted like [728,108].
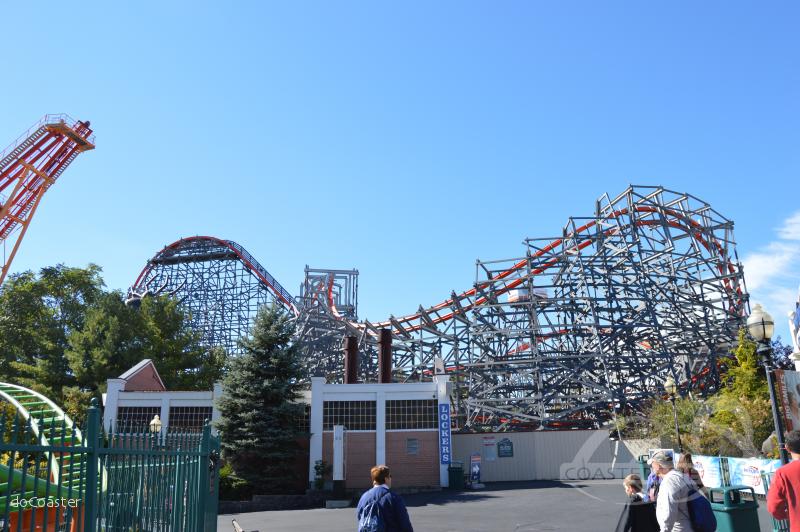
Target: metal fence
[55,478]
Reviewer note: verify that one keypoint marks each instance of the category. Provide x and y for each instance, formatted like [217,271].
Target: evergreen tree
[258,410]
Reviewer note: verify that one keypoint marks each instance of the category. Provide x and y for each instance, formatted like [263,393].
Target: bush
[231,487]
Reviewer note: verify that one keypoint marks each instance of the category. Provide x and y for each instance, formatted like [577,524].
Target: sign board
[445,443]
[747,471]
[789,396]
[489,448]
[475,468]
[710,470]
[505,448]
[338,452]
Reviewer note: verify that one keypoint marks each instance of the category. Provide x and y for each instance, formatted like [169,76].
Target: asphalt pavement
[590,506]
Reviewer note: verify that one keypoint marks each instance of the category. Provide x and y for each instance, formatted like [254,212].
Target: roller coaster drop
[583,326]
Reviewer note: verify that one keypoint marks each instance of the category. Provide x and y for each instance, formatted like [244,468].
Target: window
[412,446]
[135,418]
[188,418]
[354,415]
[304,423]
[411,414]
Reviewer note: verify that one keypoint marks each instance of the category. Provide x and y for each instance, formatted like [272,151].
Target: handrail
[49,119]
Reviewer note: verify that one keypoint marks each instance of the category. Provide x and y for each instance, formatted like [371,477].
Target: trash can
[644,469]
[735,508]
[455,475]
[778,525]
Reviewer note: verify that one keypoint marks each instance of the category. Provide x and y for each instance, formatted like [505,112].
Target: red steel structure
[28,167]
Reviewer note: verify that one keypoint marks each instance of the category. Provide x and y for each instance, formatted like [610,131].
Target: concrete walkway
[591,506]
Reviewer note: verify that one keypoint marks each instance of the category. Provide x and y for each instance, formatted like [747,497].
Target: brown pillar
[350,360]
[385,356]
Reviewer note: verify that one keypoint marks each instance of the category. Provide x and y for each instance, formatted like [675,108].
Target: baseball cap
[661,457]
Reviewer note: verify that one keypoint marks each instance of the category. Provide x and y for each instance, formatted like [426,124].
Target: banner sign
[747,471]
[505,448]
[789,395]
[475,468]
[710,470]
[444,434]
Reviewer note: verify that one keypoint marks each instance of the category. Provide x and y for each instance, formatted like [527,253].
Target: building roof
[144,369]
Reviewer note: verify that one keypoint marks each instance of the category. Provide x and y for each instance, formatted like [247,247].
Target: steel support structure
[218,283]
[28,167]
[580,327]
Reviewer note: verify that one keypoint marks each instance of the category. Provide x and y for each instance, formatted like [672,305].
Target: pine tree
[258,410]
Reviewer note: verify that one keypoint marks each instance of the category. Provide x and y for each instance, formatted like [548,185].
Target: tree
[37,315]
[733,422]
[64,335]
[780,355]
[116,337]
[258,410]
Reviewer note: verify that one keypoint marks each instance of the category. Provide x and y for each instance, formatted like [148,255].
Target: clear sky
[405,139]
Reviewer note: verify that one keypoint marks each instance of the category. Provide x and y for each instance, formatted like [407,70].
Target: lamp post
[155,429]
[155,424]
[761,326]
[672,390]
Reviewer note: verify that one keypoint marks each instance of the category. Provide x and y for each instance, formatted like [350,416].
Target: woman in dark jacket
[637,516]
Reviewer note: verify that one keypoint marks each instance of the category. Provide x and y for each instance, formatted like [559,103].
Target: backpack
[371,520]
[700,512]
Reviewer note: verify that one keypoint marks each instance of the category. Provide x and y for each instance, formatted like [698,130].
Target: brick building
[393,424]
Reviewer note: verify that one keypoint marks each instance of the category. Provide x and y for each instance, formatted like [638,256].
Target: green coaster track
[42,424]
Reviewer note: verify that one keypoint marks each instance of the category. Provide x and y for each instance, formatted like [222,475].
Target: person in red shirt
[783,499]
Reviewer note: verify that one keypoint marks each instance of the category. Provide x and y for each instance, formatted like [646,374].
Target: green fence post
[213,503]
[93,452]
[178,493]
[203,462]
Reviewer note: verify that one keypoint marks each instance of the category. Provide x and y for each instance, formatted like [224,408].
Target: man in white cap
[671,510]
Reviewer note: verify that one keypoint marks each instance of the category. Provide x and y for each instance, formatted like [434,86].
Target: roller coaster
[579,327]
[220,285]
[583,326]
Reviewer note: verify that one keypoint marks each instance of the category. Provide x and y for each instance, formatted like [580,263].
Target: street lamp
[672,390]
[761,326]
[155,424]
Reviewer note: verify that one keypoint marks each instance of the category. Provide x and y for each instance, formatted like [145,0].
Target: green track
[51,426]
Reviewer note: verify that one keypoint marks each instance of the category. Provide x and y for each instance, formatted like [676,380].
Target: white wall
[549,455]
[115,398]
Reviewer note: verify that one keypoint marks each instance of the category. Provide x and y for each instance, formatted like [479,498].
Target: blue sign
[747,471]
[444,433]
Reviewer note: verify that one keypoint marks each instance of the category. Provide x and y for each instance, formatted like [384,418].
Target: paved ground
[591,506]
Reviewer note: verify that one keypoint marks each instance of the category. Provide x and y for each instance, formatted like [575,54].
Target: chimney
[385,356]
[350,360]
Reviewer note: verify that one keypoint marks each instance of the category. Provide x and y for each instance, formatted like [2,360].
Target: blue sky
[403,139]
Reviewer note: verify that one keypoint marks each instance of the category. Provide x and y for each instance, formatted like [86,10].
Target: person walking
[783,499]
[686,466]
[651,488]
[638,515]
[672,511]
[379,508]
